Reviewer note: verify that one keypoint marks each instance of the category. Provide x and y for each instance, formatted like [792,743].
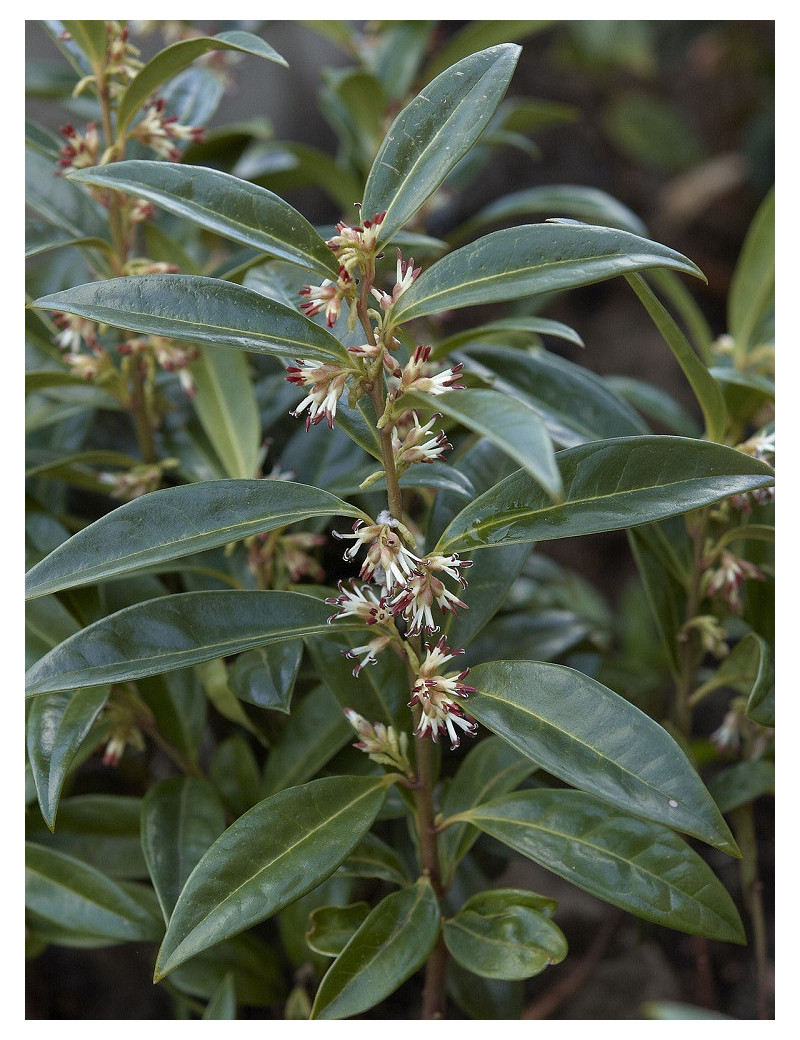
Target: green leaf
[57,726]
[750,670]
[279,850]
[491,577]
[752,291]
[608,485]
[708,394]
[559,200]
[58,202]
[41,238]
[387,949]
[80,898]
[255,966]
[507,422]
[235,773]
[330,928]
[219,202]
[742,783]
[266,676]
[227,409]
[655,403]
[91,37]
[499,935]
[181,817]
[529,260]
[504,329]
[175,522]
[314,732]
[373,858]
[587,735]
[639,866]
[480,34]
[101,830]
[433,132]
[673,1010]
[199,310]
[174,632]
[223,1001]
[491,768]
[172,60]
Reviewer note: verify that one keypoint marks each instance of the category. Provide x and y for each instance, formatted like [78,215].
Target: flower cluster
[412,447]
[80,150]
[326,382]
[439,712]
[382,743]
[160,132]
[356,246]
[405,275]
[726,577]
[166,353]
[329,296]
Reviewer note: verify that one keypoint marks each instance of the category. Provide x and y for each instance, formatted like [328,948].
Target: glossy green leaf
[173,59]
[175,632]
[750,670]
[279,850]
[530,260]
[582,732]
[655,403]
[101,830]
[521,326]
[198,310]
[663,586]
[590,205]
[41,238]
[708,394]
[316,729]
[608,485]
[480,34]
[82,899]
[56,728]
[178,704]
[235,773]
[752,291]
[639,866]
[490,769]
[491,577]
[507,422]
[218,202]
[175,522]
[227,409]
[58,202]
[373,858]
[330,928]
[484,999]
[504,936]
[266,676]
[223,1001]
[387,949]
[181,817]
[432,133]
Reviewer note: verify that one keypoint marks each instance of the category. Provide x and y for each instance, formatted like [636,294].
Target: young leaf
[174,632]
[80,898]
[752,292]
[173,59]
[392,943]
[227,409]
[201,310]
[639,866]
[582,732]
[181,817]
[57,725]
[373,858]
[433,132]
[503,937]
[153,528]
[608,485]
[223,1001]
[531,260]
[230,207]
[279,850]
[507,422]
[330,928]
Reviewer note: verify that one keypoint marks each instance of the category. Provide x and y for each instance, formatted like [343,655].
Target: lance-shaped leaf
[387,949]
[181,818]
[752,292]
[176,631]
[706,390]
[642,867]
[433,132]
[230,207]
[227,409]
[582,732]
[57,725]
[82,899]
[172,60]
[608,485]
[530,260]
[279,850]
[91,37]
[507,422]
[330,928]
[201,310]
[503,934]
[175,522]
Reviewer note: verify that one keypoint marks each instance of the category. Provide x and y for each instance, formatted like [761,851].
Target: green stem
[688,655]
[743,820]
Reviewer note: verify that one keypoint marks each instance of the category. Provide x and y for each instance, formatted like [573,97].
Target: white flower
[434,694]
[327,383]
[386,551]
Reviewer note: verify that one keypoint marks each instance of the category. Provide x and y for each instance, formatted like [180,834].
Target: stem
[743,820]
[688,655]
